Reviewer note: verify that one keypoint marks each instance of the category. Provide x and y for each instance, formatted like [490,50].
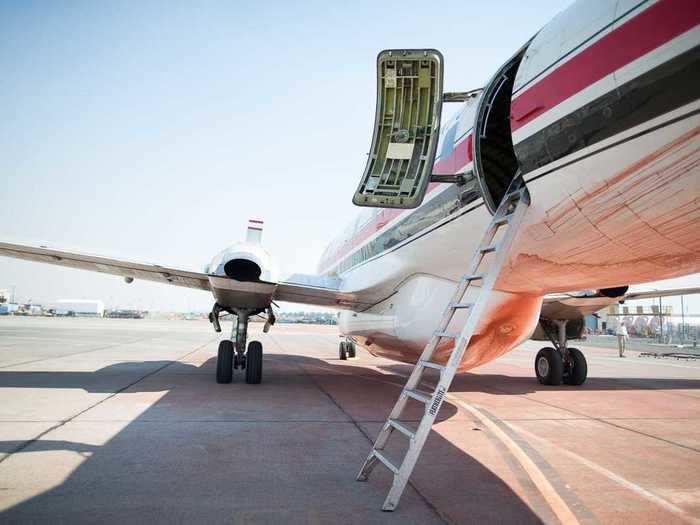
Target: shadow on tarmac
[109,380]
[242,470]
[14,447]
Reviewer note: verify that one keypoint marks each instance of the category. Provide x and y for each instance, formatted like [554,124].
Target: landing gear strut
[561,363]
[232,352]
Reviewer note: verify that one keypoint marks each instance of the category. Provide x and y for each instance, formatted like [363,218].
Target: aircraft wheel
[578,369]
[350,346]
[254,363]
[343,351]
[224,362]
[549,367]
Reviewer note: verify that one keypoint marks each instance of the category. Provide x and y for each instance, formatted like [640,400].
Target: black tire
[254,363]
[224,362]
[352,352]
[578,369]
[549,367]
[342,351]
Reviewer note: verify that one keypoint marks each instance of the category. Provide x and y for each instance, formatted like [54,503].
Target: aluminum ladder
[509,215]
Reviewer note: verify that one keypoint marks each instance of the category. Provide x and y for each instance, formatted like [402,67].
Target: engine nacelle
[244,262]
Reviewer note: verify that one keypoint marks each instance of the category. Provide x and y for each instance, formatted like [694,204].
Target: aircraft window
[448,142]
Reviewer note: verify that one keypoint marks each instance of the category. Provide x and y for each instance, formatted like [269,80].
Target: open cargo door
[406,129]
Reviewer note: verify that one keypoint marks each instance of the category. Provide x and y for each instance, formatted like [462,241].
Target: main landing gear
[561,364]
[346,349]
[232,352]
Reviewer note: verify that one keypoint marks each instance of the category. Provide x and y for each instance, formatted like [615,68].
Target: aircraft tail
[254,232]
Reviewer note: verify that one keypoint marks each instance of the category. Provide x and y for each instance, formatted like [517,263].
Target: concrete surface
[121,421]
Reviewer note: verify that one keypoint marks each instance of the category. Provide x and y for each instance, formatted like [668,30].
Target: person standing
[622,337]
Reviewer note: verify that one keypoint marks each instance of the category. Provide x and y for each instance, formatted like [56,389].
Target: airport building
[8,308]
[80,308]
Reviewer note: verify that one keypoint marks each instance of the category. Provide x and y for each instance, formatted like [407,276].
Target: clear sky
[154,130]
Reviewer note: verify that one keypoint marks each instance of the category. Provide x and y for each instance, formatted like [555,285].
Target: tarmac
[121,421]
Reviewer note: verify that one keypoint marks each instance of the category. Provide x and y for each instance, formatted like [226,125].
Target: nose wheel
[224,362]
[254,363]
[232,352]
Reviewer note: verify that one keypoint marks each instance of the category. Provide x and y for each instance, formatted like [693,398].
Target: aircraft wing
[319,290]
[571,306]
[109,265]
[653,294]
[306,289]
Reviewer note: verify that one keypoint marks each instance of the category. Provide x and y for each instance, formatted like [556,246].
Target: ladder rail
[509,215]
[488,285]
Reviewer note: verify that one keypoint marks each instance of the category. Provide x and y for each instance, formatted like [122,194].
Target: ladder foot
[366,469]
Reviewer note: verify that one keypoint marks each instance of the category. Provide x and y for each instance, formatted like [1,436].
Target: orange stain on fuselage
[639,225]
[505,325]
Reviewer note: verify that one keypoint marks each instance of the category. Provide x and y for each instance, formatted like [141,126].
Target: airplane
[598,115]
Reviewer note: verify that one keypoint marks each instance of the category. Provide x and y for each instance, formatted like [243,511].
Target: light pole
[661,322]
[682,322]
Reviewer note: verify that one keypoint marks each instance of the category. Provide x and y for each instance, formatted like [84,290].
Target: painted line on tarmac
[604,421]
[555,502]
[558,506]
[641,491]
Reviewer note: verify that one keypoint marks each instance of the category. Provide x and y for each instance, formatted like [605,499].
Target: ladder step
[447,335]
[502,220]
[473,277]
[388,464]
[430,364]
[461,305]
[418,396]
[402,428]
[489,249]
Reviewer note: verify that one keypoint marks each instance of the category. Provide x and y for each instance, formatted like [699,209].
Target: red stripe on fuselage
[638,36]
[375,225]
[460,155]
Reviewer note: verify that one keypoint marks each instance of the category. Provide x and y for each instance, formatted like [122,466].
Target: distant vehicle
[125,314]
[598,113]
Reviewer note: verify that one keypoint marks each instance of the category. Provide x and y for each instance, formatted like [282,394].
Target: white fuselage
[613,207]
